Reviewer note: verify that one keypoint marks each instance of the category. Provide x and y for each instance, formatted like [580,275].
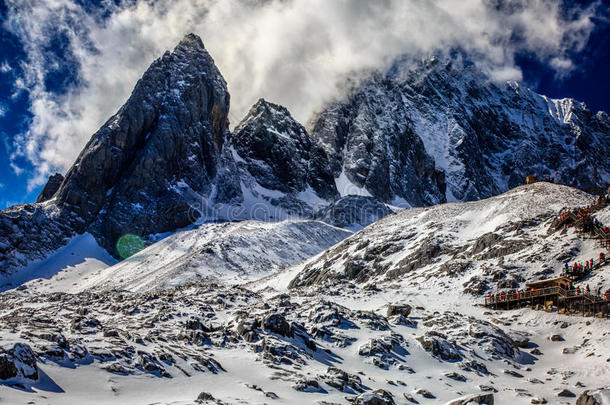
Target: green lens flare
[129,245]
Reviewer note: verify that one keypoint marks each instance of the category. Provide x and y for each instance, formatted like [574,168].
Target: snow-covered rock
[17,363]
[279,154]
[494,243]
[443,131]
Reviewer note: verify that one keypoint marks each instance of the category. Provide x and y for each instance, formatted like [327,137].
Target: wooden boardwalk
[585,223]
[564,298]
[572,300]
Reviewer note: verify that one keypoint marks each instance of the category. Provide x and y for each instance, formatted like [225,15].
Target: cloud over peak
[83,62]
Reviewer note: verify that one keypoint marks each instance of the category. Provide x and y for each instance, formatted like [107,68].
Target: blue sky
[49,76]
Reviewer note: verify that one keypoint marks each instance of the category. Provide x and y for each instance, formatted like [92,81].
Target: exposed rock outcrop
[444,131]
[50,188]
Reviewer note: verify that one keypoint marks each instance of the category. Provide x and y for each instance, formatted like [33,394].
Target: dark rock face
[353,211]
[443,131]
[377,149]
[18,361]
[280,155]
[140,170]
[171,130]
[51,187]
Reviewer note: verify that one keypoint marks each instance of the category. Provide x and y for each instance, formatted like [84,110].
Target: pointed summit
[169,132]
[190,40]
[280,154]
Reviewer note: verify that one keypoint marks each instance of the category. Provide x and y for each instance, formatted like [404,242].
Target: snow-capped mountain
[437,132]
[161,163]
[443,131]
[170,130]
[389,316]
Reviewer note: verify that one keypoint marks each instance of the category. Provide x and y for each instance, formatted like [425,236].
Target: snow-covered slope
[232,252]
[391,314]
[64,268]
[495,243]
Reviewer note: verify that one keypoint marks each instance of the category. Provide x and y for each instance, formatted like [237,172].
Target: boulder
[377,397]
[439,346]
[18,361]
[594,397]
[566,393]
[399,309]
[425,393]
[520,339]
[204,396]
[343,381]
[246,328]
[479,399]
[276,323]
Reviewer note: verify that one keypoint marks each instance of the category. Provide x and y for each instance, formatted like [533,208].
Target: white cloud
[3,109]
[16,169]
[293,52]
[5,67]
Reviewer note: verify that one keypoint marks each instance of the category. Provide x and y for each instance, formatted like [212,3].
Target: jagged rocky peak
[279,153]
[50,188]
[132,175]
[374,149]
[447,126]
[170,130]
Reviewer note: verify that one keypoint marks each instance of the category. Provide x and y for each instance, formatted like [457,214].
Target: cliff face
[171,130]
[434,133]
[279,154]
[443,131]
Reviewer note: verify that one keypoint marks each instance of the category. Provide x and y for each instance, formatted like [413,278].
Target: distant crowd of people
[583,269]
[584,213]
[516,295]
[576,270]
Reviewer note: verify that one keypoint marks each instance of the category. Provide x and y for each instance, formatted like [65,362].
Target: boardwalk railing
[528,295]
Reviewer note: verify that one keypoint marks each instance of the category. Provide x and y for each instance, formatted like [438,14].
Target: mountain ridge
[436,132]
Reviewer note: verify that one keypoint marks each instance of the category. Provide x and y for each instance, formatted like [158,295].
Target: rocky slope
[388,316]
[496,243]
[443,131]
